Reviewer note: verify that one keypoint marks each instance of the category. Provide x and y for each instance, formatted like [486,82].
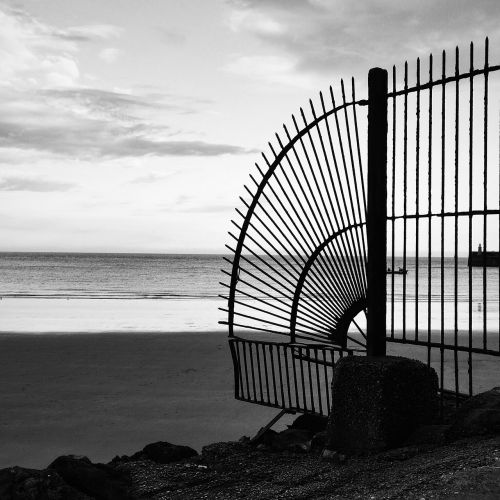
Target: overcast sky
[130,125]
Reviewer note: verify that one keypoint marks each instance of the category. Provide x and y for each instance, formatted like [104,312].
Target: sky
[131,126]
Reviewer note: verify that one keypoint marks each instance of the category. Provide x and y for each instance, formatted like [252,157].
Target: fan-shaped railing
[307,279]
[298,268]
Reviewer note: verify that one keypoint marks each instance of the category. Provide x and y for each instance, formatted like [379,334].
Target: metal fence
[286,376]
[443,201]
[330,211]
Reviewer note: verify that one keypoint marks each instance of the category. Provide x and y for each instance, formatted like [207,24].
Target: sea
[82,292]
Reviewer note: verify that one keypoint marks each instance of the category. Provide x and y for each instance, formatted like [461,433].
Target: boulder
[266,438]
[164,453]
[309,422]
[319,441]
[333,456]
[99,481]
[160,452]
[295,440]
[479,415]
[378,402]
[17,483]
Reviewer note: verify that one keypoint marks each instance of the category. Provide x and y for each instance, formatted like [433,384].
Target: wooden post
[377,212]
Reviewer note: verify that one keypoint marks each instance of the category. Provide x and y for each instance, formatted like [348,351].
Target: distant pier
[484,259]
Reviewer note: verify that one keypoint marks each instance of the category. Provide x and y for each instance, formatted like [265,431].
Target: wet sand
[105,394]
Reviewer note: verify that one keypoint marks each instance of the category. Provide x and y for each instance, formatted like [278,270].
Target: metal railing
[312,248]
[296,378]
[444,199]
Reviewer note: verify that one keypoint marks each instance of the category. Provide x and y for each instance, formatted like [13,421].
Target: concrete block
[377,402]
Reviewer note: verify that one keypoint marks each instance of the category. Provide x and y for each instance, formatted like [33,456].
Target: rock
[164,453]
[479,415]
[299,447]
[292,440]
[311,423]
[99,481]
[160,452]
[17,483]
[266,438]
[318,441]
[377,403]
[332,456]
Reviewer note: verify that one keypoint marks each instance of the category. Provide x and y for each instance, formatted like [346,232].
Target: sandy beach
[112,393]
[103,394]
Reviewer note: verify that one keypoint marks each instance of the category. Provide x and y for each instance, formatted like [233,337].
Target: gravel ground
[465,469]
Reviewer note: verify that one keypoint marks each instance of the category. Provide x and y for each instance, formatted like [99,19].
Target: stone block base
[378,402]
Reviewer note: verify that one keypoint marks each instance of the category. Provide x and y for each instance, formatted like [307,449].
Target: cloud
[32,56]
[109,54]
[332,37]
[37,55]
[149,179]
[99,138]
[270,68]
[172,37]
[137,146]
[190,204]
[45,109]
[92,123]
[34,185]
[208,208]
[89,33]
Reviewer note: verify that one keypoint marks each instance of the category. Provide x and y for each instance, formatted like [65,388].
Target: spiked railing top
[298,268]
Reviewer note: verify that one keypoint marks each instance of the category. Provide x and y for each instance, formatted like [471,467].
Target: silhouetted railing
[299,266]
[444,199]
[292,377]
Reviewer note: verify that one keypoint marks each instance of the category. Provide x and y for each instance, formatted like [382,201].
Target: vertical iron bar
[280,371]
[273,372]
[295,384]
[236,367]
[268,391]
[457,125]
[393,195]
[287,372]
[259,372]
[327,385]
[429,195]
[246,369]
[485,187]
[377,211]
[443,164]
[417,198]
[318,385]
[309,373]
[405,189]
[302,378]
[250,351]
[471,143]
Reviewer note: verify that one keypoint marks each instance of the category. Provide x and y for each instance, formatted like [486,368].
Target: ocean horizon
[44,292]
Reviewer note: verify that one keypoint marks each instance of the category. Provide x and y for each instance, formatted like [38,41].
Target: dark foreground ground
[465,469]
[458,457]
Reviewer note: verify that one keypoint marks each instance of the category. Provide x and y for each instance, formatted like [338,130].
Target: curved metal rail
[299,264]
